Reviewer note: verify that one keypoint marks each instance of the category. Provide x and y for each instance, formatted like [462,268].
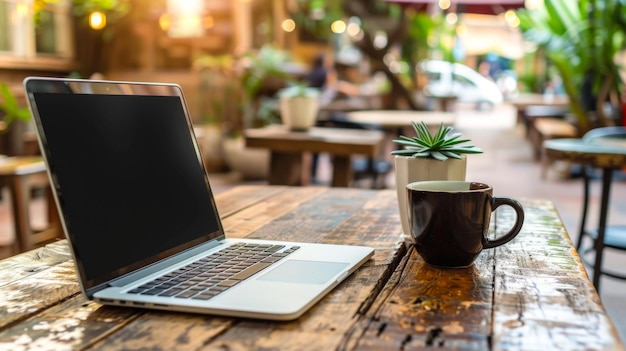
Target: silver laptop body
[137,208]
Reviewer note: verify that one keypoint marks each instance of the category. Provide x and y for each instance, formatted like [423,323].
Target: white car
[455,79]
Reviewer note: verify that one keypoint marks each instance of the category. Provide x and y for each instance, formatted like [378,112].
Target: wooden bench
[534,112]
[22,174]
[545,129]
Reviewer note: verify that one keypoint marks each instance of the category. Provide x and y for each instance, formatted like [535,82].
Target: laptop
[138,211]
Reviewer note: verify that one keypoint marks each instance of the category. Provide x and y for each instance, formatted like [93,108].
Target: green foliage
[265,64]
[440,146]
[581,39]
[219,88]
[420,28]
[299,89]
[12,110]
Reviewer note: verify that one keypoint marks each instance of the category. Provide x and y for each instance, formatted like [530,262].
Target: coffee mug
[449,220]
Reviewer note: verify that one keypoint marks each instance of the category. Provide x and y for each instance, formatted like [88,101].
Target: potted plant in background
[218,103]
[259,75]
[583,40]
[15,120]
[427,156]
[299,105]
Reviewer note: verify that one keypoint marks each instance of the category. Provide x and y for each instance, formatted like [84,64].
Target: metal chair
[615,235]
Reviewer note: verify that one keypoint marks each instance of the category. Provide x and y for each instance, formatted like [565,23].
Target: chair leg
[583,218]
[607,176]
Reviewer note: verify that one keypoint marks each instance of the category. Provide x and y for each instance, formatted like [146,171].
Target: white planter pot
[411,169]
[250,163]
[299,112]
[210,142]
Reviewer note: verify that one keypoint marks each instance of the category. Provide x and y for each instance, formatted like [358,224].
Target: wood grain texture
[531,294]
[336,141]
[35,280]
[543,297]
[431,307]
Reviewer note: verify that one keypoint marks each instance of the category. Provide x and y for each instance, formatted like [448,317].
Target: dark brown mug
[449,220]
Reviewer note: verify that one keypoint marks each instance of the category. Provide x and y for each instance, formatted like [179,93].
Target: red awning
[486,7]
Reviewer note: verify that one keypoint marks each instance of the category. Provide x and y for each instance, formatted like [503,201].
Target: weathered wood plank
[35,280]
[25,297]
[242,197]
[263,209]
[432,307]
[543,298]
[62,327]
[332,216]
[30,262]
[321,328]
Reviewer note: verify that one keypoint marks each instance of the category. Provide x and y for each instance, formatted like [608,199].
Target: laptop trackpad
[304,272]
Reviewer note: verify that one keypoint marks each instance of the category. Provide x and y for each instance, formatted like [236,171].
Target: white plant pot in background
[411,169]
[250,163]
[299,112]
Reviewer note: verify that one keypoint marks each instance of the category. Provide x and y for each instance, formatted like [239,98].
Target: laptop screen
[129,179]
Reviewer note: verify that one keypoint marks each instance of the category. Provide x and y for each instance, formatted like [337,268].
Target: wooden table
[522,101]
[290,160]
[21,174]
[396,120]
[444,102]
[549,103]
[531,294]
[606,156]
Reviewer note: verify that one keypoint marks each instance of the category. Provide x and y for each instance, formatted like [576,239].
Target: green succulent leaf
[421,154]
[441,145]
[451,154]
[438,156]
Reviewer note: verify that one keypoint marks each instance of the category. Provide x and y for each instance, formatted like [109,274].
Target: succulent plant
[441,146]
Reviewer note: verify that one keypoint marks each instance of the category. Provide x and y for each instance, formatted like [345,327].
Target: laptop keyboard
[213,274]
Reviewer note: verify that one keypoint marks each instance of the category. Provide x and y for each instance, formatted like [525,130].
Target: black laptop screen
[129,181]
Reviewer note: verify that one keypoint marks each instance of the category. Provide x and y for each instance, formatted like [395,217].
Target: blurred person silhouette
[323,76]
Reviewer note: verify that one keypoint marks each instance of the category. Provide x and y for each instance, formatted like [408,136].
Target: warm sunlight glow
[191,21]
[380,40]
[511,19]
[165,22]
[353,29]
[207,22]
[21,9]
[185,19]
[338,27]
[452,18]
[461,30]
[533,4]
[19,14]
[97,20]
[288,25]
[444,4]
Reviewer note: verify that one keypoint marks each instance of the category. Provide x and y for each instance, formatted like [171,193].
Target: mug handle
[519,220]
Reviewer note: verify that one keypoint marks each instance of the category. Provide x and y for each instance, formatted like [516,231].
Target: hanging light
[185,19]
[338,27]
[444,4]
[452,18]
[288,25]
[511,19]
[97,20]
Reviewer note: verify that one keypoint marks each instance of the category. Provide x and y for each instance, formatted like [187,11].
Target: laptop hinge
[155,267]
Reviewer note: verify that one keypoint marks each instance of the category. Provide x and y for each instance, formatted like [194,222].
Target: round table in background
[607,154]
